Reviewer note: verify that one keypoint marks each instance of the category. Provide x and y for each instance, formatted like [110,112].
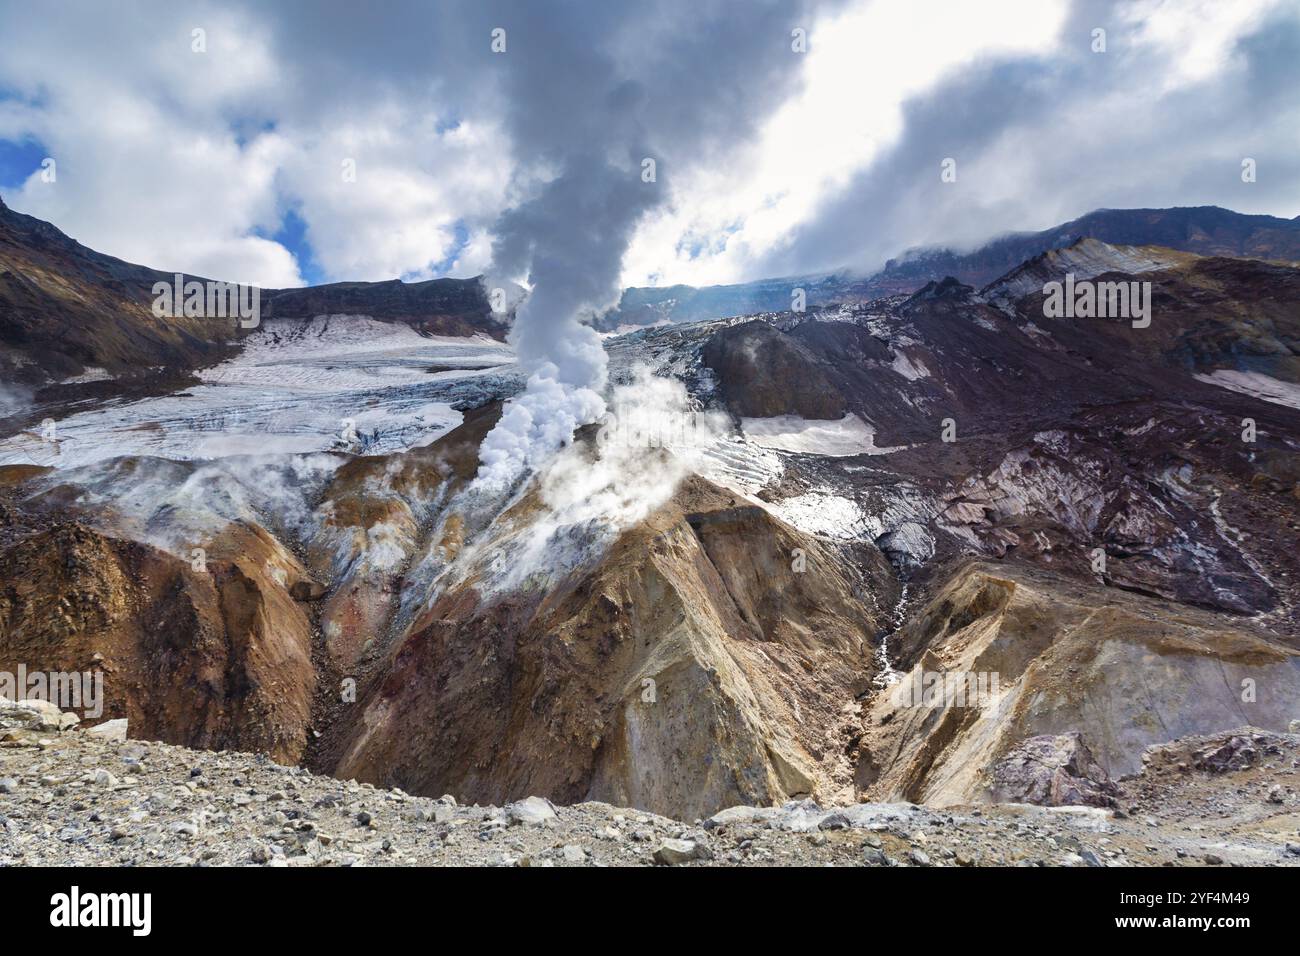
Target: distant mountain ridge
[1205,230]
[65,308]
[648,305]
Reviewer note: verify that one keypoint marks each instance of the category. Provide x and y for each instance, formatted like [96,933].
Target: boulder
[800,816]
[1235,753]
[34,715]
[531,811]
[740,815]
[110,731]
[673,852]
[1053,770]
[305,590]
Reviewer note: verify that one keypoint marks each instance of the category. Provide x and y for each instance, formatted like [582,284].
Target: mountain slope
[1124,672]
[66,309]
[1204,230]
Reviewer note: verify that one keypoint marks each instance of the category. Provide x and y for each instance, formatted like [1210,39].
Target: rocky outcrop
[1237,752]
[432,307]
[1125,672]
[1084,259]
[1052,770]
[764,373]
[376,515]
[1243,753]
[214,658]
[693,667]
[33,715]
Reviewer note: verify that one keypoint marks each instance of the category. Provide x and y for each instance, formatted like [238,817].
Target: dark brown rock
[1053,771]
[765,373]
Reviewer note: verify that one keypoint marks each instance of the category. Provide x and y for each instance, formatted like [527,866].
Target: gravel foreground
[90,798]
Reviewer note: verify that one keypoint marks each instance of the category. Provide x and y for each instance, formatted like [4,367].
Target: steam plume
[589,100]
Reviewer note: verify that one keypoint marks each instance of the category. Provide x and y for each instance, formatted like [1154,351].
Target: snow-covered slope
[333,382]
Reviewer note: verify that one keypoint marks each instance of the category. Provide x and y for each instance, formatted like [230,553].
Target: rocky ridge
[1203,230]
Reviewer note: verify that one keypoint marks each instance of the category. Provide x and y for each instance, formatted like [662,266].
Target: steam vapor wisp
[630,95]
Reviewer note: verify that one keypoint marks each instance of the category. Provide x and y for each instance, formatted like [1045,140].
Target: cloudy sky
[231,157]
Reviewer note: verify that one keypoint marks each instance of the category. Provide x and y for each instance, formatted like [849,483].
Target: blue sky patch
[18,160]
